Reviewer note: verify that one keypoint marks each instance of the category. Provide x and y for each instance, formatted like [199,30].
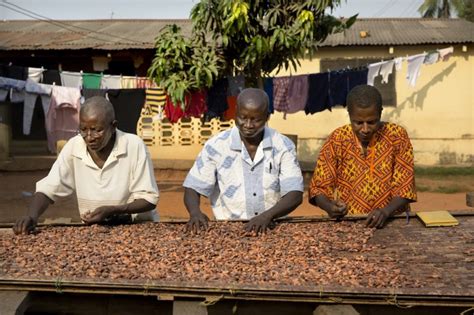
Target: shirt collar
[236,142]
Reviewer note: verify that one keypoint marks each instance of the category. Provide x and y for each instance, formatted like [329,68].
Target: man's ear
[115,123]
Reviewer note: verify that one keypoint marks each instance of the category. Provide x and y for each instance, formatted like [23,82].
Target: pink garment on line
[62,119]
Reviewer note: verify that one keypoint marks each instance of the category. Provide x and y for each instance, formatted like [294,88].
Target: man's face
[365,122]
[96,131]
[250,120]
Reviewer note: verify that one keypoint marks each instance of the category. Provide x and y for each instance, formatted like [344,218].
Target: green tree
[467,10]
[249,37]
[446,8]
[182,65]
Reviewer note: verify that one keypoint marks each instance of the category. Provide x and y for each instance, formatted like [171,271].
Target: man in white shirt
[110,171]
[249,172]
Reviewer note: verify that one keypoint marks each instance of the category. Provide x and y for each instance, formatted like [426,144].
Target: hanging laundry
[3,94]
[355,78]
[196,104]
[62,119]
[173,112]
[16,72]
[16,88]
[431,58]
[52,77]
[338,87]
[386,70]
[129,82]
[414,65]
[71,79]
[229,114]
[280,93]
[217,99]
[128,104]
[236,85]
[91,80]
[318,93]
[268,87]
[111,82]
[32,91]
[7,84]
[155,101]
[374,70]
[445,53]
[297,93]
[35,74]
[398,63]
[144,83]
[88,93]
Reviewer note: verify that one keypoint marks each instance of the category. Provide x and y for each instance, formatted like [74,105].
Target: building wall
[438,112]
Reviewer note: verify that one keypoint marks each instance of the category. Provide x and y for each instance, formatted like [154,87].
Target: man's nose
[365,128]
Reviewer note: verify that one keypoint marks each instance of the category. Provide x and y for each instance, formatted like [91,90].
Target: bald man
[249,172]
[109,170]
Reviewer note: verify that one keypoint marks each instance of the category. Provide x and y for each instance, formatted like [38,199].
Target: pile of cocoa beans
[292,254]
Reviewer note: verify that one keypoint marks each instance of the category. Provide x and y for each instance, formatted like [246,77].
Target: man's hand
[338,209]
[259,224]
[98,215]
[197,222]
[24,225]
[377,218]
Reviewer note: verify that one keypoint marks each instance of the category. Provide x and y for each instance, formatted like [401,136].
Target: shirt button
[256,213]
[254,194]
[251,169]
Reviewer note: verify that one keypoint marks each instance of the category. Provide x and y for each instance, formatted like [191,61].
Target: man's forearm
[192,200]
[38,205]
[136,206]
[287,204]
[395,204]
[322,202]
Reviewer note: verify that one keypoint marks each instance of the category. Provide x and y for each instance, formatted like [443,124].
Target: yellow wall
[438,112]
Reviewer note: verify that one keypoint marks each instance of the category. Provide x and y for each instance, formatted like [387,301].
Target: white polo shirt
[239,187]
[126,175]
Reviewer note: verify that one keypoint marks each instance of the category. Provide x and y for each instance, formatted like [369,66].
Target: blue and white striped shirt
[238,187]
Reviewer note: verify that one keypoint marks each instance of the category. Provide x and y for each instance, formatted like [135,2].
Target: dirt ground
[16,189]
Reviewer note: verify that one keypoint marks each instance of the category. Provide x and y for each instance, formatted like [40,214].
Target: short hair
[257,97]
[364,96]
[98,105]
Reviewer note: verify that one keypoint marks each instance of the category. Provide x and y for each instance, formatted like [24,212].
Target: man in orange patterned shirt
[365,167]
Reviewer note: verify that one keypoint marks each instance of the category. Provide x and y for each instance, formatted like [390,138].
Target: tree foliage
[447,8]
[182,65]
[250,37]
[467,10]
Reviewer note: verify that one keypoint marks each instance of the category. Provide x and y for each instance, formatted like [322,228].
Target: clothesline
[107,81]
[312,93]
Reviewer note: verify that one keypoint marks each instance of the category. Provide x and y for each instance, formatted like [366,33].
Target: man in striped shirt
[249,172]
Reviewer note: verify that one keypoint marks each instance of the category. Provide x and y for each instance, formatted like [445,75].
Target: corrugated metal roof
[405,31]
[95,34]
[140,34]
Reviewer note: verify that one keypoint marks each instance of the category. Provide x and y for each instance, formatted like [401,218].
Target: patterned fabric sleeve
[403,180]
[324,176]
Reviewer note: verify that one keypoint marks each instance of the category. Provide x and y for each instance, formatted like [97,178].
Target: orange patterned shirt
[368,182]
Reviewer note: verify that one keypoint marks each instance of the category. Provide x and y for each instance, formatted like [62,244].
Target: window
[388,91]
